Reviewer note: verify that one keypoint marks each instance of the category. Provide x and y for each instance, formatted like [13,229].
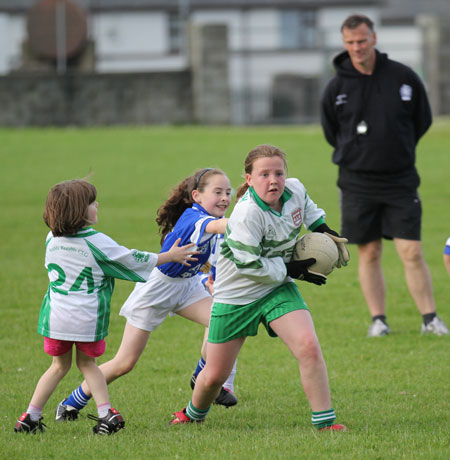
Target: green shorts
[229,322]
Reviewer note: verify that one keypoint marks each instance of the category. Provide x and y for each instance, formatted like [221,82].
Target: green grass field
[393,393]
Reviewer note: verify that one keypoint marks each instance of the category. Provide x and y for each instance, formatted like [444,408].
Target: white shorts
[150,303]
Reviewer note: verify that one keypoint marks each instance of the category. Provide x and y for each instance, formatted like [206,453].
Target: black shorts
[366,218]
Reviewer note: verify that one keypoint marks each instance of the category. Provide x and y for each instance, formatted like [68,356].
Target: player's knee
[214,379]
[308,349]
[124,366]
[60,368]
[83,365]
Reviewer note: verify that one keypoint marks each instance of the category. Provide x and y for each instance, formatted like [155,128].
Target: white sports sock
[103,409]
[35,412]
[229,383]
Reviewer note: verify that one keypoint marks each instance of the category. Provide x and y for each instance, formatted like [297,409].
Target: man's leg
[373,286]
[418,280]
[417,274]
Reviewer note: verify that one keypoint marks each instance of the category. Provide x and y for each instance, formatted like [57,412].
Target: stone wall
[95,99]
[295,99]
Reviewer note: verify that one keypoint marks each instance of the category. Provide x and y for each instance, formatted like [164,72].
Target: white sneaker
[378,329]
[437,326]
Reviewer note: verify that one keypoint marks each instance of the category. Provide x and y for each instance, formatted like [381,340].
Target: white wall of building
[264,29]
[132,41]
[403,44]
[12,34]
[130,33]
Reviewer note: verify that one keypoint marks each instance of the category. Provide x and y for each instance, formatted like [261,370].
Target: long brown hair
[181,198]
[260,151]
[66,206]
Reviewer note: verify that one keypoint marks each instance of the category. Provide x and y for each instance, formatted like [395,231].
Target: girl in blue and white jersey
[447,255]
[194,213]
[82,264]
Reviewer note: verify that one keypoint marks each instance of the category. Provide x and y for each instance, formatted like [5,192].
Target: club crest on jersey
[271,233]
[406,92]
[140,256]
[297,217]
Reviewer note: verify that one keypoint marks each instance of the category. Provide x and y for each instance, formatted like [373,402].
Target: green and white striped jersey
[258,241]
[81,269]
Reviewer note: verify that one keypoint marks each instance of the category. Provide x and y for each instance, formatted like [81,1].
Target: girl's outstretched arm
[217,226]
[178,254]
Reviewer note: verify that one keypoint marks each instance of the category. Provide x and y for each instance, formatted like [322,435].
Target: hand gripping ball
[319,246]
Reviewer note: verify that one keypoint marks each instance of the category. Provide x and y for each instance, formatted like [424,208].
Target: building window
[298,29]
[176,25]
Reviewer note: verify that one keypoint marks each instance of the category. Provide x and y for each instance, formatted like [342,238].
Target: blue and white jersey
[210,267]
[447,247]
[190,227]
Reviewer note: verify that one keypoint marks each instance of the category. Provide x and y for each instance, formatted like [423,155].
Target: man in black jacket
[373,112]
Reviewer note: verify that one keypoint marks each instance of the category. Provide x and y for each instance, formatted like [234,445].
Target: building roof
[122,5]
[391,10]
[395,11]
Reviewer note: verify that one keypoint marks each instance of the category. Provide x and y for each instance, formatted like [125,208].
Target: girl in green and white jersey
[82,265]
[254,285]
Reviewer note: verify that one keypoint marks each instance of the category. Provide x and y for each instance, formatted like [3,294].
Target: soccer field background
[393,393]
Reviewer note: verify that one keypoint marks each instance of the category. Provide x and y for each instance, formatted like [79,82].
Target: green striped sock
[196,414]
[323,418]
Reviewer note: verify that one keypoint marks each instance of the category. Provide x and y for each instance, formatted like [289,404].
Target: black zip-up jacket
[394,105]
